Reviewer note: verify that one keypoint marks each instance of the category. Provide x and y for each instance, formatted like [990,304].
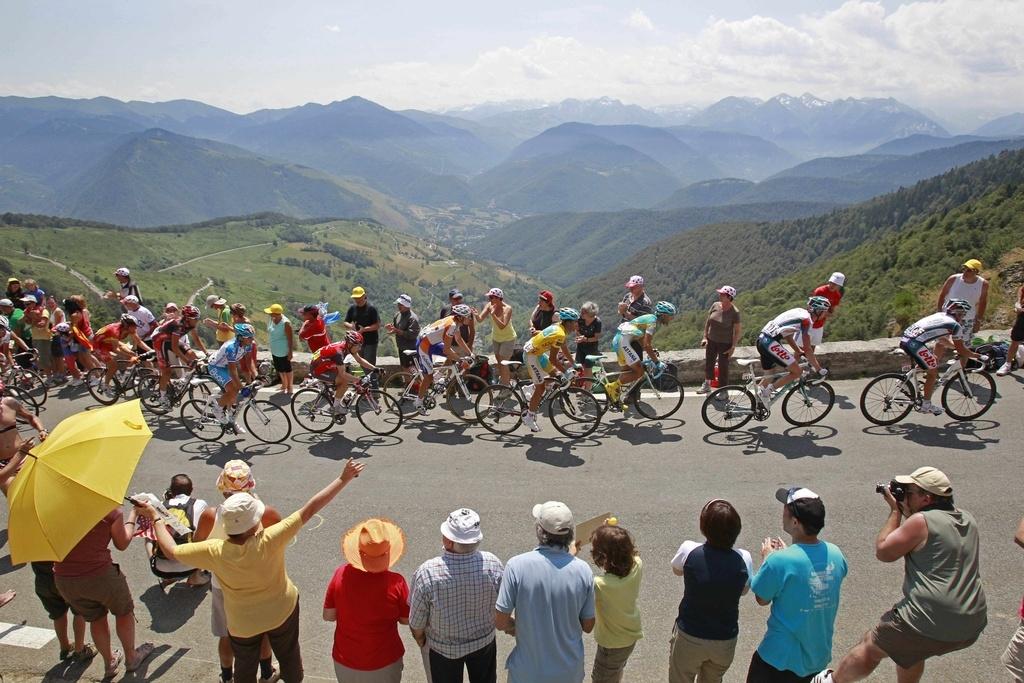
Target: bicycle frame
[443,374]
[914,375]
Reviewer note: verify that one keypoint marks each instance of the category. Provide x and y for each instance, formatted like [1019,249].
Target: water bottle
[246,392]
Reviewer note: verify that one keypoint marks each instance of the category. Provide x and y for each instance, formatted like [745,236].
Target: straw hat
[373,545]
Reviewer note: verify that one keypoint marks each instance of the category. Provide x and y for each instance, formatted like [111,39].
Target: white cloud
[639,20]
[333,28]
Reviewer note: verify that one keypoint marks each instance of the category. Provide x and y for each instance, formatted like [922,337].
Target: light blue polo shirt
[550,591]
[802,583]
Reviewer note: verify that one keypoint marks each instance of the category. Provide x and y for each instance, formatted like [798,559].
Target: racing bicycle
[452,387]
[967,393]
[186,380]
[656,395]
[27,381]
[130,374]
[313,407]
[805,401]
[266,421]
[574,411]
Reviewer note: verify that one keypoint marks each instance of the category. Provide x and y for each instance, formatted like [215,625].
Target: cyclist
[540,361]
[328,364]
[940,327]
[109,345]
[793,327]
[438,339]
[631,339]
[6,336]
[172,338]
[224,368]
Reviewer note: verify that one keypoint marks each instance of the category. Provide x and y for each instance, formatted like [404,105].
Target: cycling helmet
[59,328]
[494,291]
[461,310]
[123,272]
[5,323]
[817,304]
[954,306]
[243,330]
[189,312]
[664,308]
[127,319]
[568,314]
[353,337]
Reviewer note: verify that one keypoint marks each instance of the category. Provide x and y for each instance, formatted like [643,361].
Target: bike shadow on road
[844,403]
[644,432]
[962,436]
[171,609]
[336,446]
[442,432]
[793,443]
[218,453]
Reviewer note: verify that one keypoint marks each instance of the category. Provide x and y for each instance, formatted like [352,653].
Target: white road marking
[20,635]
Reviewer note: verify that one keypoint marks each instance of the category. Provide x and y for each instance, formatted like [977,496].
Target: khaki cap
[930,479]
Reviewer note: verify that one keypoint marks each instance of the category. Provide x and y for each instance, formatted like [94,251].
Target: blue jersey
[229,352]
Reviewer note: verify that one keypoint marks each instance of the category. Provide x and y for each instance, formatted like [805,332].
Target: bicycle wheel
[661,402]
[575,413]
[29,383]
[199,421]
[397,386]
[808,403]
[499,409]
[105,394]
[887,399]
[149,394]
[378,411]
[266,421]
[313,409]
[728,408]
[460,403]
[971,400]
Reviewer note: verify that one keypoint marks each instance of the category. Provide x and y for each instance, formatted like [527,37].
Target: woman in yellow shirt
[503,335]
[616,591]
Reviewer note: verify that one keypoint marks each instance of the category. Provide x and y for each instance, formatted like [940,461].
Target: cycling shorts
[220,375]
[920,352]
[538,366]
[164,351]
[773,352]
[425,356]
[627,350]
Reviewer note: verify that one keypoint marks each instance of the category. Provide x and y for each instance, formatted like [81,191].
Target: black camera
[898,490]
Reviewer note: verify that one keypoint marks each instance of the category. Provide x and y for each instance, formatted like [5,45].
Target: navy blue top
[713,581]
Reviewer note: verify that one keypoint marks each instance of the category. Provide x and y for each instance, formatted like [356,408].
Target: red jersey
[327,358]
[314,333]
[834,297]
[108,336]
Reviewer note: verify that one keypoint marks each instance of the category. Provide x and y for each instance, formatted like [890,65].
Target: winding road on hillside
[192,299]
[216,253]
[85,281]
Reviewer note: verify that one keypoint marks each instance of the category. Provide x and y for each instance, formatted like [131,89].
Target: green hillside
[286,261]
[565,248]
[686,268]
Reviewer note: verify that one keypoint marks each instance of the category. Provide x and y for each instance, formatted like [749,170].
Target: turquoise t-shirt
[278,338]
[550,591]
[802,583]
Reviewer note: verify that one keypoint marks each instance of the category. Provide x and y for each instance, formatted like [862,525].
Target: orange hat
[374,545]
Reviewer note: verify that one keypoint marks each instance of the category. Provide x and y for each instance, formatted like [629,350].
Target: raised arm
[327,494]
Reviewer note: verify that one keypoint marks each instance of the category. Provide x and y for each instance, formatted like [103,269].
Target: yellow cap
[274,308]
[973,264]
[358,293]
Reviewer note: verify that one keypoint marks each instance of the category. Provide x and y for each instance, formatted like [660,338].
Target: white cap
[554,517]
[240,513]
[405,300]
[837,279]
[130,299]
[6,302]
[635,281]
[462,526]
[123,272]
[727,290]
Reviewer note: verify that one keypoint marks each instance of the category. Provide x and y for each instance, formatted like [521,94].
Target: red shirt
[834,297]
[91,556]
[368,608]
[314,333]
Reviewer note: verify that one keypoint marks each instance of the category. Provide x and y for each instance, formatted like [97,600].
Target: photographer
[943,607]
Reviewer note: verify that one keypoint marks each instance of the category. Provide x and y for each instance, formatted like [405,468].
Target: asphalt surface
[653,477]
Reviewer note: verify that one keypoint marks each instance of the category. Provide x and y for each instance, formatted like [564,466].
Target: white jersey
[970,292]
[793,323]
[145,321]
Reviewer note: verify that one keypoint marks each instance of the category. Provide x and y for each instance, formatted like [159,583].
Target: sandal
[66,652]
[142,652]
[6,597]
[85,654]
[111,669]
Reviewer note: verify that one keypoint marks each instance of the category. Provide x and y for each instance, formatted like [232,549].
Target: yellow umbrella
[74,478]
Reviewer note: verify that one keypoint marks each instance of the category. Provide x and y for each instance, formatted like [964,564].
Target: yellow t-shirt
[224,316]
[502,335]
[258,595]
[550,337]
[42,333]
[618,615]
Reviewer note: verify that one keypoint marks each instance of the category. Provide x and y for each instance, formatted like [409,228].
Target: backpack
[996,353]
[481,368]
[182,512]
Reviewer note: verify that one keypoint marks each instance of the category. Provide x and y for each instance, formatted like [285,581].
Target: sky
[960,60]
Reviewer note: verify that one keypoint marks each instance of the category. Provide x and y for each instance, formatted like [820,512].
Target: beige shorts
[1013,657]
[94,596]
[218,620]
[907,647]
[503,349]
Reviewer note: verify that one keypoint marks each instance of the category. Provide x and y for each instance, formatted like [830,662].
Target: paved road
[654,479]
[216,253]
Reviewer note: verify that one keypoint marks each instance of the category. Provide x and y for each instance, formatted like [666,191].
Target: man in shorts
[630,342]
[117,341]
[794,327]
[936,327]
[440,338]
[328,364]
[170,340]
[546,353]
[224,368]
[943,608]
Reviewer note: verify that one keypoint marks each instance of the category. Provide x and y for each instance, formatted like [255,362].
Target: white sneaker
[274,677]
[1004,369]
[528,392]
[765,393]
[93,382]
[704,388]
[929,407]
[531,421]
[76,382]
[418,406]
[823,677]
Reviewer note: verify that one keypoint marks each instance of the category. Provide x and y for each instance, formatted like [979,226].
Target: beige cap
[932,480]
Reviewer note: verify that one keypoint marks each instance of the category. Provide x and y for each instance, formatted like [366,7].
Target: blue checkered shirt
[453,599]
